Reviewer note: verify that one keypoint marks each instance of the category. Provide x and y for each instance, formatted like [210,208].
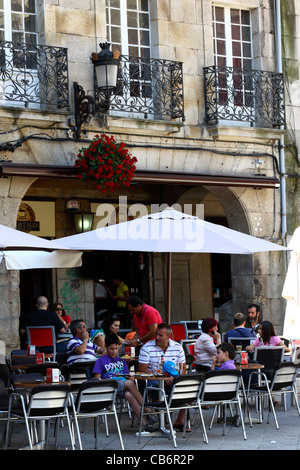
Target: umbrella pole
[168,299]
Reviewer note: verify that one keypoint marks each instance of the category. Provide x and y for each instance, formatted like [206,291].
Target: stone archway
[255,278]
[192,296]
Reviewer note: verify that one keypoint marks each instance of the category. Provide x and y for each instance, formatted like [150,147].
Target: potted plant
[106,163]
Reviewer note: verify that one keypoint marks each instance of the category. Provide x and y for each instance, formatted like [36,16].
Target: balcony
[244,97]
[147,88]
[33,76]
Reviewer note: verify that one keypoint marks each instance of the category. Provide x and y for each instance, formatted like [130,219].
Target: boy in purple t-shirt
[110,366]
[225,357]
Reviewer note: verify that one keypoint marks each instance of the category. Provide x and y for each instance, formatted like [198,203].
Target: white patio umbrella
[19,260]
[291,290]
[21,250]
[12,239]
[169,231]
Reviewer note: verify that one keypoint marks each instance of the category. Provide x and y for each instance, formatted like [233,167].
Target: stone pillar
[12,191]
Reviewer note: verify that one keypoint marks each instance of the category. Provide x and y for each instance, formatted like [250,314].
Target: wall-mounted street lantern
[83,221]
[106,64]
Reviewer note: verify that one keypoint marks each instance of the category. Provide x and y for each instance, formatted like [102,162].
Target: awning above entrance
[154,177]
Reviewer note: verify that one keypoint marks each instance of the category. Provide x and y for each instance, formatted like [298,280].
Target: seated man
[43,317]
[163,348]
[239,330]
[80,348]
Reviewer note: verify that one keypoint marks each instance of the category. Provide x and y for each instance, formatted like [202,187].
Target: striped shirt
[88,355]
[151,354]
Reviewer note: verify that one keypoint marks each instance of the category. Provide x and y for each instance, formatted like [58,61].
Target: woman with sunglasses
[59,310]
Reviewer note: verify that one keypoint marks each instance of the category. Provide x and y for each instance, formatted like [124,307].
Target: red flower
[106,163]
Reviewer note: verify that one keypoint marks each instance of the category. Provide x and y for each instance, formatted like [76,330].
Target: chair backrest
[269,356]
[285,376]
[240,341]
[48,400]
[186,389]
[295,344]
[191,348]
[2,352]
[221,385]
[77,373]
[185,343]
[295,341]
[285,340]
[95,395]
[18,352]
[179,331]
[24,360]
[193,327]
[41,336]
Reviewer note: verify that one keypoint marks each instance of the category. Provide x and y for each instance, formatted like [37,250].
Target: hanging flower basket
[106,163]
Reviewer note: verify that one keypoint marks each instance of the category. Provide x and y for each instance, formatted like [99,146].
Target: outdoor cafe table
[252,366]
[161,378]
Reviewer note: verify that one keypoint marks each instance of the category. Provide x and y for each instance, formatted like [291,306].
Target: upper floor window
[235,93]
[233,55]
[128,26]
[232,37]
[18,21]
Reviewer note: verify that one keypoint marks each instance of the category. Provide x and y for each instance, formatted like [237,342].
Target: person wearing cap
[163,349]
[205,349]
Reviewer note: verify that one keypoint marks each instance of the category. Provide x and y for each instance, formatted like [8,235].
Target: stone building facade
[225,148]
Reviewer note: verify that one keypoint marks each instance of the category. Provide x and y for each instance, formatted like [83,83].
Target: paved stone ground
[263,437]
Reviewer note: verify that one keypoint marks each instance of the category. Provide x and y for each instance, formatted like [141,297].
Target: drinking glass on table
[155,368]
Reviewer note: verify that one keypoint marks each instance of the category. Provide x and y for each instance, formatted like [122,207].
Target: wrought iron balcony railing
[251,96]
[33,76]
[148,87]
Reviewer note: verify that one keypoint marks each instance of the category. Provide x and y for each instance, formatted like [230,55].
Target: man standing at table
[163,348]
[145,320]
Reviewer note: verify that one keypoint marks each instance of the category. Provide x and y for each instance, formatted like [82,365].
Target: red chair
[191,348]
[179,331]
[42,336]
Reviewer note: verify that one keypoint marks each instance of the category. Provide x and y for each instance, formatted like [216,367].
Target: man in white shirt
[163,347]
